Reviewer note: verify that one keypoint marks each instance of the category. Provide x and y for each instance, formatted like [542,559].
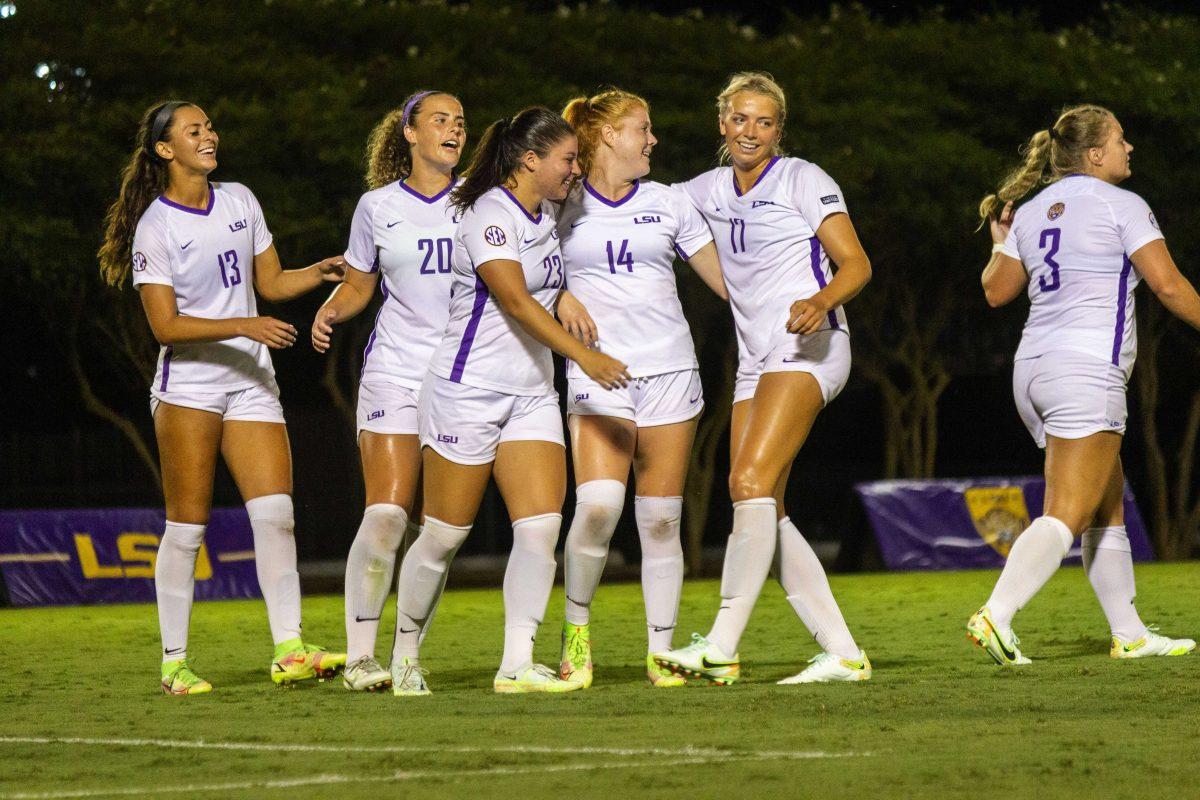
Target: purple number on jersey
[230,274]
[1054,235]
[621,256]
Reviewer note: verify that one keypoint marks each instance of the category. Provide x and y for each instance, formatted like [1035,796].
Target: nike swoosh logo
[694,399]
[394,224]
[173,651]
[529,241]
[366,619]
[792,360]
[1009,654]
[407,630]
[661,628]
[508,677]
[576,224]
[186,246]
[704,662]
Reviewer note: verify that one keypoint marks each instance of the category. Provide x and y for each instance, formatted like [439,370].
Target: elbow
[994,298]
[867,272]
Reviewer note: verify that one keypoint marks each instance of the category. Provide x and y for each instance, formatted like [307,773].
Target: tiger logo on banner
[999,514]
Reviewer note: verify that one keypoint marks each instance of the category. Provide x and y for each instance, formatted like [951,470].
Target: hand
[333,269]
[1003,224]
[808,315]
[322,328]
[269,331]
[604,370]
[576,319]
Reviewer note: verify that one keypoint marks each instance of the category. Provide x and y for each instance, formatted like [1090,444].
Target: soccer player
[488,402]
[1079,248]
[780,224]
[198,251]
[619,239]
[401,236]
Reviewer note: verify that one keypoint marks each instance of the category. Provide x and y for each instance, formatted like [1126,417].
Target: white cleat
[408,678]
[828,667]
[534,678]
[1151,645]
[366,675]
[701,659]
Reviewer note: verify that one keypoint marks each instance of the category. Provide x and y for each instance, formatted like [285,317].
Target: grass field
[83,715]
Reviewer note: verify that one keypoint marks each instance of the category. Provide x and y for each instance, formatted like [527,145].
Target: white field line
[400,775]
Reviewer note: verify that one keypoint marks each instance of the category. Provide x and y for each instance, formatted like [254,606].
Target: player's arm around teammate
[1078,248]
[780,225]
[620,236]
[196,249]
[488,403]
[401,235]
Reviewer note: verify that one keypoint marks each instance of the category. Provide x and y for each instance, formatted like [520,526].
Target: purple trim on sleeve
[605,200]
[757,181]
[166,370]
[535,220]
[464,349]
[212,198]
[1122,302]
[679,252]
[814,254]
[423,198]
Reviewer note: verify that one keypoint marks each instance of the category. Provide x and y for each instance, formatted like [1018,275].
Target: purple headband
[408,107]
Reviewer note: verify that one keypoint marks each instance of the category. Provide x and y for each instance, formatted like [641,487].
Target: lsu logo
[139,262]
[829,199]
[761,203]
[240,225]
[579,398]
[1056,211]
[137,554]
[442,437]
[494,236]
[646,219]
[375,415]
[999,514]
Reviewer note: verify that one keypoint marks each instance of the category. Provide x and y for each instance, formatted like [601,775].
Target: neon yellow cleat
[576,654]
[1001,646]
[325,664]
[1152,644]
[295,661]
[534,678]
[178,679]
[701,659]
[661,677]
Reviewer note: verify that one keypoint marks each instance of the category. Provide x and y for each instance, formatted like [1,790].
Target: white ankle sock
[419,584]
[274,525]
[1108,562]
[174,581]
[369,575]
[1034,558]
[662,566]
[807,588]
[527,584]
[748,558]
[597,510]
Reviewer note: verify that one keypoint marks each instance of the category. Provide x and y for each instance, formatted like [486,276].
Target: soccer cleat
[178,679]
[829,667]
[1152,644]
[534,678]
[576,654]
[366,675]
[408,678]
[1001,646]
[325,664]
[701,659]
[661,677]
[295,661]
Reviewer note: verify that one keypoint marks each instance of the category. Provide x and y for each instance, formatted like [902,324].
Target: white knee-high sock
[1035,557]
[422,576]
[597,509]
[369,575]
[274,525]
[527,584]
[174,582]
[748,558]
[1108,561]
[807,588]
[411,532]
[662,566]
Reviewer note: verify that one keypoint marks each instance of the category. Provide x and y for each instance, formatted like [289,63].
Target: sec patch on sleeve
[829,198]
[139,262]
[494,236]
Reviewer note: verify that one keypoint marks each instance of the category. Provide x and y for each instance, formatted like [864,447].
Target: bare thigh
[188,443]
[1078,476]
[532,477]
[452,491]
[777,423]
[741,412]
[660,462]
[391,468]
[601,447]
[259,457]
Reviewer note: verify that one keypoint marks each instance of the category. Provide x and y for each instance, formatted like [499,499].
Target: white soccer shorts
[255,404]
[653,400]
[825,355]
[1069,394]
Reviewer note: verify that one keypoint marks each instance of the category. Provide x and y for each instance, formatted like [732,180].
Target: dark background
[916,109]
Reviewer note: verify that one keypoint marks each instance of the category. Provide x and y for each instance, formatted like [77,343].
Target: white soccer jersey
[483,347]
[1075,238]
[409,238]
[766,238]
[619,259]
[208,258]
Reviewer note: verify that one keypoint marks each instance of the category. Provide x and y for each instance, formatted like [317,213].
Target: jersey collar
[737,191]
[212,198]
[535,220]
[605,200]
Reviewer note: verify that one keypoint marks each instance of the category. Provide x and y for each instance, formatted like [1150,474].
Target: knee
[597,510]
[747,482]
[658,518]
[383,526]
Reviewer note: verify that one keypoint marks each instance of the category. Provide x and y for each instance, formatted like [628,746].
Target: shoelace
[698,643]
[409,669]
[364,663]
[546,672]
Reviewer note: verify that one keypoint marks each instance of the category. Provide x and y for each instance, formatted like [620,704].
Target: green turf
[938,720]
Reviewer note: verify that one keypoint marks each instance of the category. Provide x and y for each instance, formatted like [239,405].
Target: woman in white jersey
[488,403]
[198,251]
[619,238]
[780,224]
[401,238]
[1079,248]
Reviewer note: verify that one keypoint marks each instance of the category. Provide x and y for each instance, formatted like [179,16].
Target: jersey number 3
[1051,236]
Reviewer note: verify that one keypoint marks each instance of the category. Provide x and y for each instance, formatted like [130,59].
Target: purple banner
[968,523]
[107,555]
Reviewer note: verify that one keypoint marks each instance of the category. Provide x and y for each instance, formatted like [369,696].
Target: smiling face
[1111,161]
[438,132]
[751,128]
[631,141]
[554,173]
[191,142]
